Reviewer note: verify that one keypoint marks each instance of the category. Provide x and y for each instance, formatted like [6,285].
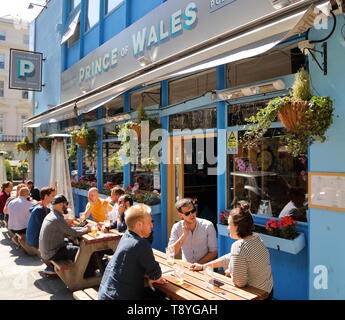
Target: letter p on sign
[25,68]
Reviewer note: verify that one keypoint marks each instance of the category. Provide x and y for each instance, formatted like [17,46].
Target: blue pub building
[202,67]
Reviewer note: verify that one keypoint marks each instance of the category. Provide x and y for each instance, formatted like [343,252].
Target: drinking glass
[94,230]
[209,277]
[170,252]
[179,272]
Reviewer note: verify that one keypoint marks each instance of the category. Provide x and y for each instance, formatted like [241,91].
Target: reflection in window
[111,170]
[263,175]
[200,119]
[148,97]
[193,86]
[112,4]
[92,14]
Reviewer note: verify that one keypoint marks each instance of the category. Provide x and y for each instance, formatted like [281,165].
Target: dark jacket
[38,213]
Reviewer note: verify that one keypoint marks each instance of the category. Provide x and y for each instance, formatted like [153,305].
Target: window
[26,39]
[148,97]
[114,107]
[1,88]
[264,175]
[2,35]
[2,122]
[111,169]
[92,14]
[73,4]
[112,4]
[25,94]
[193,86]
[72,32]
[23,119]
[2,61]
[200,119]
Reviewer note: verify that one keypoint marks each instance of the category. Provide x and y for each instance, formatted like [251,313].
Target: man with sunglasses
[195,237]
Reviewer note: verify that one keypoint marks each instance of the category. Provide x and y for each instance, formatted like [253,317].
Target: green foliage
[115,162]
[301,87]
[149,164]
[91,139]
[9,172]
[317,118]
[47,142]
[26,144]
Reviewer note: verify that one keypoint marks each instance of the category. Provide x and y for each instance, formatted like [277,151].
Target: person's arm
[87,211]
[121,227]
[212,245]
[221,262]
[74,232]
[147,261]
[177,241]
[239,270]
[208,257]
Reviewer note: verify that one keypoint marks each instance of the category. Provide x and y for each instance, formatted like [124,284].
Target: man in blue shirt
[38,213]
[133,260]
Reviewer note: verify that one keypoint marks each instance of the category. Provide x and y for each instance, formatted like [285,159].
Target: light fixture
[278,4]
[260,88]
[144,61]
[31,5]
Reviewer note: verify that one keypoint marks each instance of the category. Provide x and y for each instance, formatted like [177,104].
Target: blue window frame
[112,4]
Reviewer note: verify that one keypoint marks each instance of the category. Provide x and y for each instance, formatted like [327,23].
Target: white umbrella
[3,174]
[59,171]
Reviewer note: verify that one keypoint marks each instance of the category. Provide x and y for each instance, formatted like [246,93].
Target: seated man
[123,278]
[294,207]
[196,237]
[53,232]
[19,213]
[125,202]
[34,192]
[38,213]
[96,207]
[116,193]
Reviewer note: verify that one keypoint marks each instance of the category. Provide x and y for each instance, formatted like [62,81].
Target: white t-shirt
[18,213]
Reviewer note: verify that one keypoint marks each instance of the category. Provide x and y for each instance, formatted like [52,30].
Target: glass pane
[114,107]
[109,131]
[142,178]
[92,14]
[201,119]
[111,173]
[264,175]
[149,97]
[111,4]
[192,87]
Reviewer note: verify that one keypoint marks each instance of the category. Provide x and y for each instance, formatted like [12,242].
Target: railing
[10,138]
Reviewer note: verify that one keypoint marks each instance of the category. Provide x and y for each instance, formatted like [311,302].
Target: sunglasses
[187,213]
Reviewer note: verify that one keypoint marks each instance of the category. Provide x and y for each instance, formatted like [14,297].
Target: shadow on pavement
[54,286]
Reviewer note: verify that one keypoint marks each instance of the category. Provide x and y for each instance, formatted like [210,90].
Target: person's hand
[227,273]
[196,267]
[159,281]
[185,228]
[88,227]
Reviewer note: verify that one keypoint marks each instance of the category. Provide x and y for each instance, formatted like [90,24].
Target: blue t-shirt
[123,278]
[38,213]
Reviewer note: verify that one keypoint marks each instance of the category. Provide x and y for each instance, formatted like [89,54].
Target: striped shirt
[249,264]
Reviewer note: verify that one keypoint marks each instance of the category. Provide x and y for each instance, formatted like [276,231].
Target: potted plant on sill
[45,143]
[85,138]
[306,117]
[25,145]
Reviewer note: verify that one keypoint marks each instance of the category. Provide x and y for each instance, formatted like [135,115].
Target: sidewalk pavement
[21,277]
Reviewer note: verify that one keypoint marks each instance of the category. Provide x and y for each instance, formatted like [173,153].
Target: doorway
[191,174]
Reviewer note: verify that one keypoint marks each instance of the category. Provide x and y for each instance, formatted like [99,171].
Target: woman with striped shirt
[248,263]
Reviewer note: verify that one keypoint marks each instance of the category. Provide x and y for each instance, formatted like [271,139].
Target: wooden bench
[32,251]
[86,294]
[62,265]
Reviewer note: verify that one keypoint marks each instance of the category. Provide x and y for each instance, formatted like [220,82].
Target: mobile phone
[82,224]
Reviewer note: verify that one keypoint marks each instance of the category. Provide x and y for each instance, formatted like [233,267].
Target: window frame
[86,31]
[107,12]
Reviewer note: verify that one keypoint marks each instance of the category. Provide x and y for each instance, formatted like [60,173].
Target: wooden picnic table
[195,286]
[72,272]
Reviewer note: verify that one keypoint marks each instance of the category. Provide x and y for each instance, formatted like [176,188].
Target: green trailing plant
[306,118]
[25,145]
[23,169]
[115,162]
[45,143]
[85,138]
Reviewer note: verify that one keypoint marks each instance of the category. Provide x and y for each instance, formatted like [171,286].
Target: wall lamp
[260,88]
[31,5]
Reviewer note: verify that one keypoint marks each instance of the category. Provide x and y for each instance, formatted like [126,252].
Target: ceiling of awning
[241,46]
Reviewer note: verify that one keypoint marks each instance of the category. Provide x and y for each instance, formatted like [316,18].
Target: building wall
[327,226]
[12,105]
[47,41]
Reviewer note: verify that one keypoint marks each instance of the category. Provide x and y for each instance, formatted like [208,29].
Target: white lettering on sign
[25,68]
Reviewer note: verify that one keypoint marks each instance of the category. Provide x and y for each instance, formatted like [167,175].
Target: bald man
[133,261]
[96,207]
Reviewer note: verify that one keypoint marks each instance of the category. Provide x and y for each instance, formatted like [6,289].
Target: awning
[72,27]
[243,45]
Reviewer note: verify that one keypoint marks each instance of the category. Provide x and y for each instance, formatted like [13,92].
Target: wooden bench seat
[62,264]
[86,294]
[32,251]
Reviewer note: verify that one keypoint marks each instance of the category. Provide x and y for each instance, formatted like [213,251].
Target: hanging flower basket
[292,114]
[137,129]
[81,141]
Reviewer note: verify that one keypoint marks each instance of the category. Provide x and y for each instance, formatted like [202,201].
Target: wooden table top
[195,285]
